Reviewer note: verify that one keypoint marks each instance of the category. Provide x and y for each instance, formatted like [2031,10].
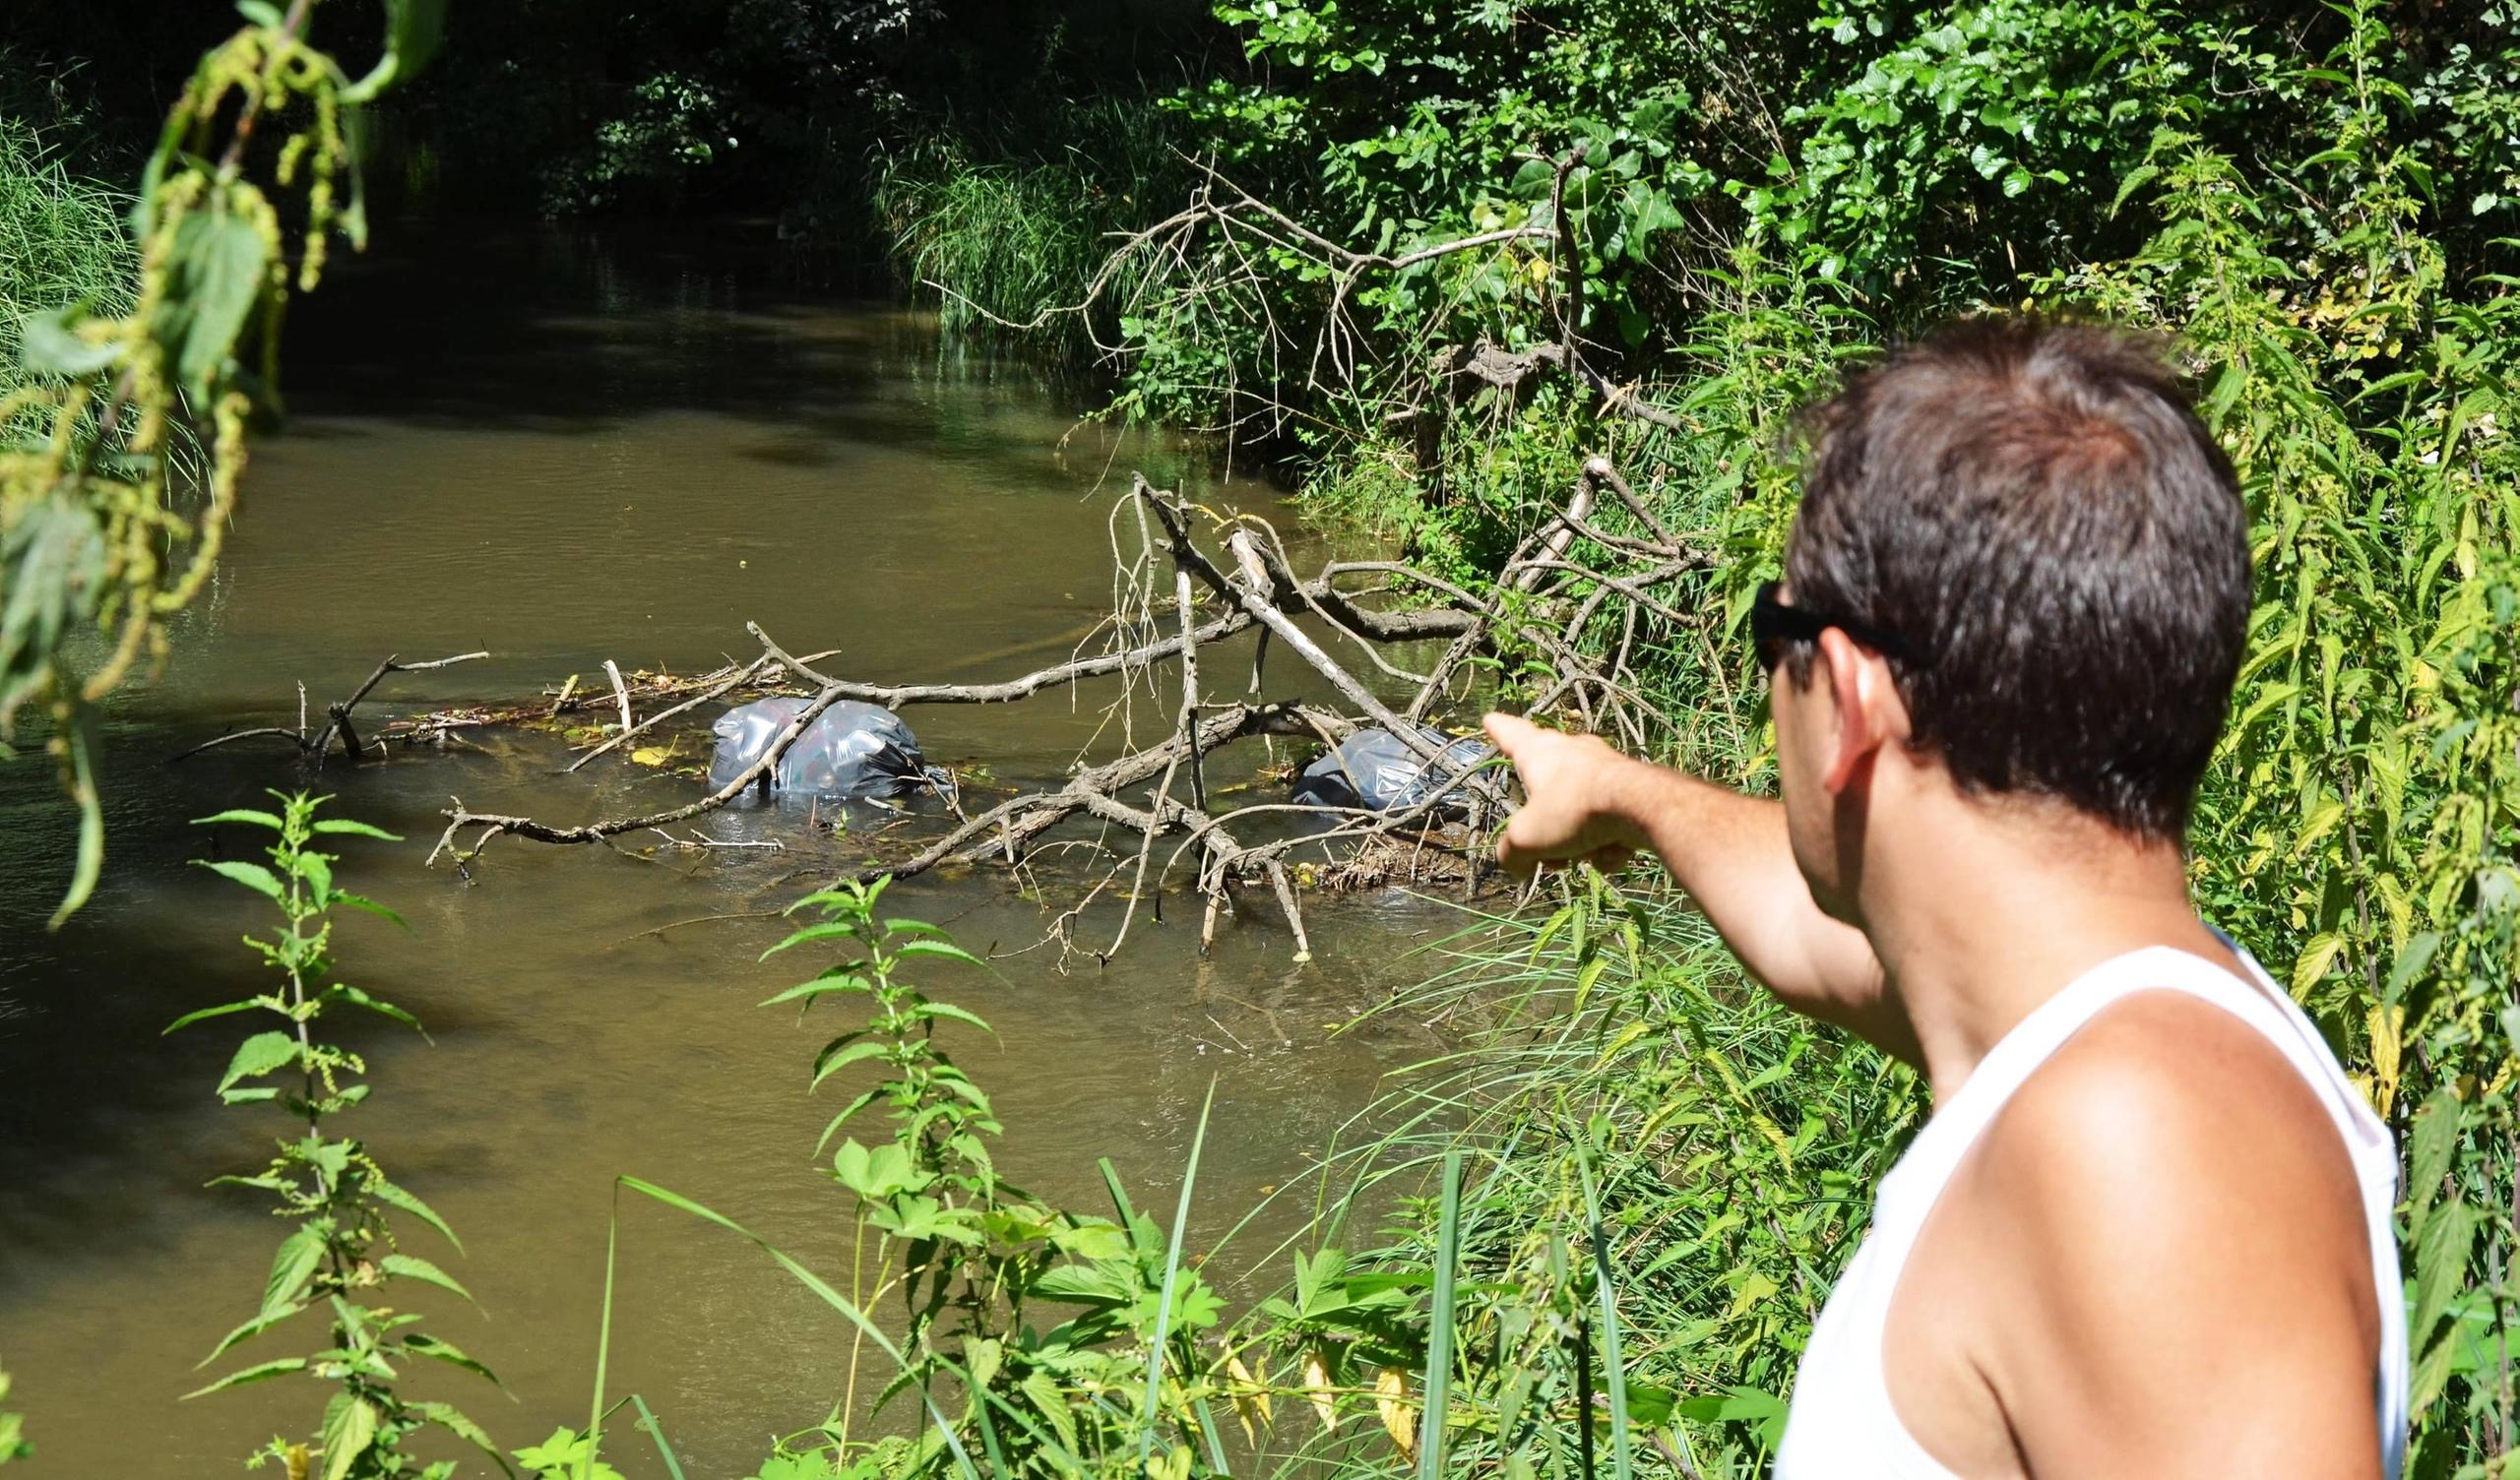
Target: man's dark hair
[2036,512]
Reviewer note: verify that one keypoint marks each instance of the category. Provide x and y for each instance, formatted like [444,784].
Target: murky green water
[563,452]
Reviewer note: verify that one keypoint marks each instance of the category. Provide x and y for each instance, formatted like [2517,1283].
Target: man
[2146,1231]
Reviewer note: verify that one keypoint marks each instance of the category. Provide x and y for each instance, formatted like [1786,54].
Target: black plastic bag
[851,752]
[1375,770]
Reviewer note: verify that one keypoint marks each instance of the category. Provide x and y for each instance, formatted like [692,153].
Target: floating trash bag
[1375,770]
[853,751]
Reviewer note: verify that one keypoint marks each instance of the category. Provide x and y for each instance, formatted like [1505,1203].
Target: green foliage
[671,127]
[774,108]
[971,1260]
[969,1256]
[61,240]
[1721,205]
[2450,999]
[1663,1167]
[13,1435]
[2350,825]
[1625,1224]
[343,1252]
[100,531]
[1006,233]
[566,1455]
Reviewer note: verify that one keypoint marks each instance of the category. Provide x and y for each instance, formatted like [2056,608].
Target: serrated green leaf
[411,1266]
[248,1329]
[394,1196]
[855,1053]
[2435,1138]
[825,931]
[49,344]
[421,1345]
[260,1372]
[217,264]
[203,1014]
[951,1013]
[354,826]
[940,948]
[449,1418]
[349,1427]
[826,985]
[355,996]
[291,1267]
[253,876]
[259,1055]
[367,906]
[2442,1247]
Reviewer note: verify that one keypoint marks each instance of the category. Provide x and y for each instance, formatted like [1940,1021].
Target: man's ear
[1865,704]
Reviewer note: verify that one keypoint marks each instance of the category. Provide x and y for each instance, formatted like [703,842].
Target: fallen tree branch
[760,770]
[1151,816]
[312,745]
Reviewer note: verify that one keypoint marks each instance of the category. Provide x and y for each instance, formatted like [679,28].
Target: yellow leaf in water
[1391,1401]
[647,755]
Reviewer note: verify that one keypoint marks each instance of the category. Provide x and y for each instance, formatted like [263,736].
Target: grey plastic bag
[853,751]
[1373,769]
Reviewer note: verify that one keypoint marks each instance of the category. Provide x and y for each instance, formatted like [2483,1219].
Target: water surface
[563,450]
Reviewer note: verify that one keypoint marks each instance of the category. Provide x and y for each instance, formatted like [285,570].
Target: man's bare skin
[2154,1263]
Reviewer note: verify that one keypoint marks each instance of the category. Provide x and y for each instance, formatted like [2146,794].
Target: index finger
[1507,731]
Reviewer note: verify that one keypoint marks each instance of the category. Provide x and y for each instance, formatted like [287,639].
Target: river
[562,449]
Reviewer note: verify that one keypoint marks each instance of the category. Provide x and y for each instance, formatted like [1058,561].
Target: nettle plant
[1118,1387]
[13,1440]
[343,1255]
[126,435]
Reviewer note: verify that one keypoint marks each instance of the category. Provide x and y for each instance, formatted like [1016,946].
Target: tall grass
[1665,1171]
[61,237]
[1001,224]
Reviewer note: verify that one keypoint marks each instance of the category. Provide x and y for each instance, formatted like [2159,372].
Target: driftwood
[1595,578]
[314,745]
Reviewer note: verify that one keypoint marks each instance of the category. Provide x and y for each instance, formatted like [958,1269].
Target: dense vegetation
[1437,256]
[1651,232]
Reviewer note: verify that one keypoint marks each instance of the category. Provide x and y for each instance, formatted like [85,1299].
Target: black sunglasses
[1773,624]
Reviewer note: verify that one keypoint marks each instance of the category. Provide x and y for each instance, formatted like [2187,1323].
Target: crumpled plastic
[1373,769]
[851,752]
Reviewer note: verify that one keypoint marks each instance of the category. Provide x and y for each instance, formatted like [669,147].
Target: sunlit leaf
[259,1055]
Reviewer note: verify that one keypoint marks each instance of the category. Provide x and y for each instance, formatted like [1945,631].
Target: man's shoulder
[2169,1145]
[2170,1233]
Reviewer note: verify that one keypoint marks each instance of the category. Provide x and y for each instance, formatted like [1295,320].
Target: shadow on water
[564,449]
[570,330]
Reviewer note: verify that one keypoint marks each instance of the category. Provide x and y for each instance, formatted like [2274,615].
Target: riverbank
[1450,266]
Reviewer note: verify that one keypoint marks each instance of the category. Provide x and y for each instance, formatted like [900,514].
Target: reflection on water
[562,452]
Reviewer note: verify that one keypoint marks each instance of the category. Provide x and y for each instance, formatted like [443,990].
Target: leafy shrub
[1725,203]
[343,1252]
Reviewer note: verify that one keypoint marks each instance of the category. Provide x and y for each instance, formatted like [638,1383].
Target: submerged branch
[1566,575]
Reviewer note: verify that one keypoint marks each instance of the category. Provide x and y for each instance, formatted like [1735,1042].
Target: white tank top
[1842,1423]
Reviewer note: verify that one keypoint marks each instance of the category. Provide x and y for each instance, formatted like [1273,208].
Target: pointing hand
[1575,788]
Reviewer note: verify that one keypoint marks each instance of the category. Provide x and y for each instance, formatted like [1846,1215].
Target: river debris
[315,744]
[1570,607]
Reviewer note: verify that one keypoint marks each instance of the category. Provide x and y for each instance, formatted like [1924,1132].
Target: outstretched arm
[1586,801]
